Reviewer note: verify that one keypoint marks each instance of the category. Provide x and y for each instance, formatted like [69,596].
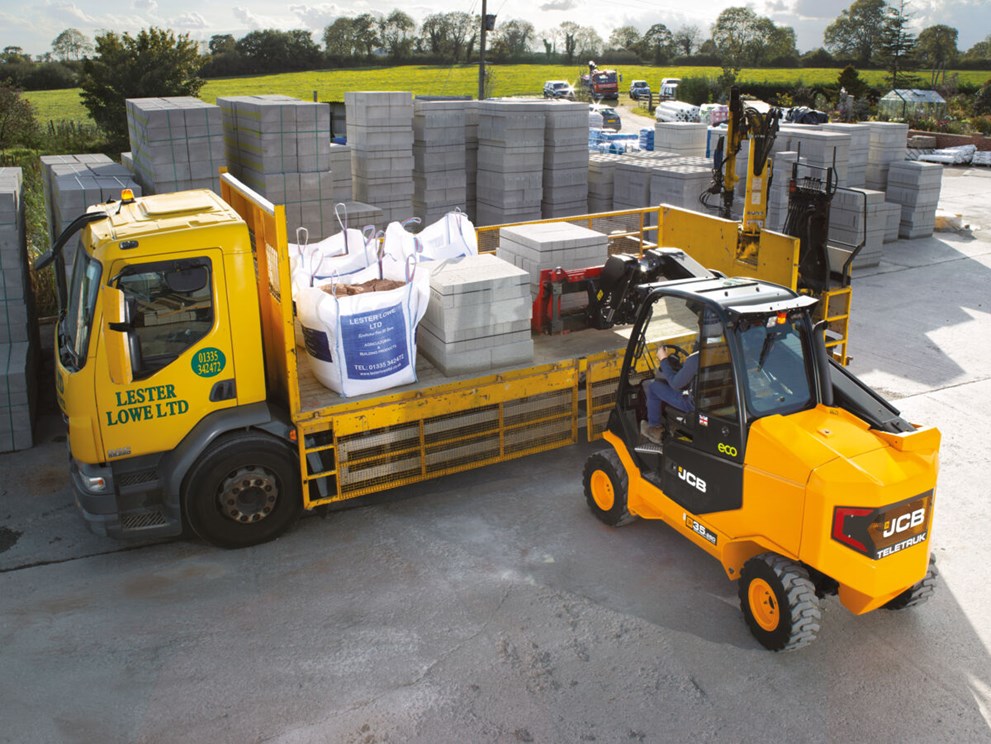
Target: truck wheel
[919,592]
[606,488]
[243,491]
[779,602]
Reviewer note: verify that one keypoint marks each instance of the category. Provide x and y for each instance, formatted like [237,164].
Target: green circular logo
[209,362]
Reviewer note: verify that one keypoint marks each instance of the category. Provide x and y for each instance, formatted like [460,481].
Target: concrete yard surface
[492,606]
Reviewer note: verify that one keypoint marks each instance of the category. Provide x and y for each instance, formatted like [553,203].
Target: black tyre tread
[804,611]
[247,535]
[619,515]
[919,592]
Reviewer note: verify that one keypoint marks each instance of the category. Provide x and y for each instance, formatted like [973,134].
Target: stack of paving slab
[18,329]
[438,159]
[73,183]
[566,157]
[915,186]
[380,132]
[176,143]
[471,157]
[478,317]
[550,245]
[280,147]
[888,144]
[510,184]
[681,137]
[860,137]
[848,224]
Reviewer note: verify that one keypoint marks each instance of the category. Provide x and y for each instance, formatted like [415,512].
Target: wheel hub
[248,494]
[602,490]
[763,604]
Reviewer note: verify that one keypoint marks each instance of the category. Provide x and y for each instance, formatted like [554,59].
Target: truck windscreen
[75,326]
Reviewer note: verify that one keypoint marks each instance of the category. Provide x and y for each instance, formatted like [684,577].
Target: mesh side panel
[518,412]
[143,520]
[539,435]
[603,398]
[454,455]
[460,425]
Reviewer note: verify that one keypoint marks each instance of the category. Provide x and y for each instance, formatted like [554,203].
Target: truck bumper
[98,500]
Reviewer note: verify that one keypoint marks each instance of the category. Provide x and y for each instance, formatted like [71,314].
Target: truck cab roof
[158,213]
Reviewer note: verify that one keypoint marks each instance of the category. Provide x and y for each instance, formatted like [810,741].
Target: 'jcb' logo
[691,479]
[904,522]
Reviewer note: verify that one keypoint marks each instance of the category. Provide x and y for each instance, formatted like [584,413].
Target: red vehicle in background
[601,84]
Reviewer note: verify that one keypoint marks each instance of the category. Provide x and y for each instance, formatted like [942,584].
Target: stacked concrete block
[857,215]
[18,331]
[681,137]
[340,172]
[478,317]
[860,136]
[438,159]
[915,186]
[601,181]
[380,132]
[280,147]
[888,144]
[777,194]
[631,183]
[471,156]
[550,245]
[821,150]
[176,143]
[678,182]
[510,184]
[566,157]
[48,162]
[892,215]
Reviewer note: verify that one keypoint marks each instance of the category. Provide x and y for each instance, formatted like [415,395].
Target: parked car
[669,89]
[610,117]
[639,89]
[559,89]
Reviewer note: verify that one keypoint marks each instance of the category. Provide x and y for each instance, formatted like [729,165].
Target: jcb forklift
[796,476]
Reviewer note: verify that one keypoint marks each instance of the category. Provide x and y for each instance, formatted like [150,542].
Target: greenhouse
[903,104]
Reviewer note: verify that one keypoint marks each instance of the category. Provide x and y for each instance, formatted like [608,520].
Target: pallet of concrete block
[857,216]
[16,306]
[478,317]
[177,143]
[551,245]
[18,395]
[681,137]
[677,111]
[915,187]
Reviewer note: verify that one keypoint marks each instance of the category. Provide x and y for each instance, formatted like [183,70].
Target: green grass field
[458,80]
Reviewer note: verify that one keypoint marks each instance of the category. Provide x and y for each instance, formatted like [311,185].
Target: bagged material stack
[471,157]
[438,158]
[860,135]
[915,186]
[681,137]
[176,143]
[280,147]
[549,245]
[18,329]
[647,139]
[847,224]
[380,132]
[478,317]
[677,111]
[510,161]
[565,177]
[888,144]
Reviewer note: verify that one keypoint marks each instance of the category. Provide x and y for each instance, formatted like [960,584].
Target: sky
[33,26]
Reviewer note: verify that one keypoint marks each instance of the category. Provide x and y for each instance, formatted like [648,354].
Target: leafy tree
[396,32]
[897,44]
[340,39]
[850,80]
[222,44]
[687,39]
[71,44]
[657,44]
[271,50]
[856,33]
[937,49]
[512,39]
[624,37]
[817,58]
[155,63]
[17,123]
[569,30]
[980,52]
[745,39]
[588,42]
[450,36]
[12,55]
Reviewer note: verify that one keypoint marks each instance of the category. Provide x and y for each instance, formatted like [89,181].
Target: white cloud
[317,16]
[257,22]
[147,5]
[559,5]
[190,22]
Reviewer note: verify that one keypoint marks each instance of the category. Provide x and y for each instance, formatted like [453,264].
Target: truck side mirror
[115,334]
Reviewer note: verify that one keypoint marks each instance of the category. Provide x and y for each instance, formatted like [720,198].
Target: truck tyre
[919,592]
[606,488]
[244,490]
[779,602]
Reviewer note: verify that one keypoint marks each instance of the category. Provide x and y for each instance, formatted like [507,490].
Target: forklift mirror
[115,336]
[187,280]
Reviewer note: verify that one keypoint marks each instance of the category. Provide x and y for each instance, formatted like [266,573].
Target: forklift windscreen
[777,357]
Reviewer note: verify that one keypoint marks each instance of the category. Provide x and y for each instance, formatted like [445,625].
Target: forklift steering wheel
[678,357]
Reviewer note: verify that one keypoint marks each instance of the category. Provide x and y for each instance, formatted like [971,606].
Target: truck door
[703,461]
[178,344]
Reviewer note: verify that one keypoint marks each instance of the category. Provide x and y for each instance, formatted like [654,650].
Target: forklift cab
[756,358]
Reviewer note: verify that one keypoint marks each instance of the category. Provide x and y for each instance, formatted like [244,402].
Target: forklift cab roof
[733,296]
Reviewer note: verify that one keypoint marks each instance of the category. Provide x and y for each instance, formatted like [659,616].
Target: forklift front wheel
[917,593]
[606,488]
[779,602]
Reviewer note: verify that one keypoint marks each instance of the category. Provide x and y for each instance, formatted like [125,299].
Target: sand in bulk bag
[341,254]
[360,329]
[449,238]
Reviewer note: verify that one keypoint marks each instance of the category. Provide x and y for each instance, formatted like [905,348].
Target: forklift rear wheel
[606,487]
[779,602]
[919,592]
[243,491]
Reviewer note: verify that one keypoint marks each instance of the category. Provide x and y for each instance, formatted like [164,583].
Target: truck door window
[170,307]
[76,324]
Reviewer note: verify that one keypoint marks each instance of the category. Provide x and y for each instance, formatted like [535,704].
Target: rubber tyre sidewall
[223,457]
[777,639]
[608,463]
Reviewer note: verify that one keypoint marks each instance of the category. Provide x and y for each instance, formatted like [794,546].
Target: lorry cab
[777,456]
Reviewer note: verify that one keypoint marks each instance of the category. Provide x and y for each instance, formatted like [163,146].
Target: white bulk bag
[364,343]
